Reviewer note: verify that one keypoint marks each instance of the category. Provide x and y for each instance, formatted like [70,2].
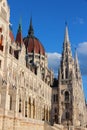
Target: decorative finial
[31,30]
[66,23]
[20,26]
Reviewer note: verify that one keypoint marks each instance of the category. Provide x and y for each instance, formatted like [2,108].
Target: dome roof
[32,43]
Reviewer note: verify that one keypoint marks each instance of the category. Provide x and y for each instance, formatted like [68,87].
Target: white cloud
[82,48]
[82,53]
[78,20]
[54,61]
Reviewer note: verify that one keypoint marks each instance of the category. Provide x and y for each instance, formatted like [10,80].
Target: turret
[19,38]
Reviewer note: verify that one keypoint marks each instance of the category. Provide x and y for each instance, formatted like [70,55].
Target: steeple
[19,38]
[66,59]
[31,30]
[66,39]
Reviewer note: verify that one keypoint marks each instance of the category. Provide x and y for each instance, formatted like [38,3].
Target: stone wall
[8,123]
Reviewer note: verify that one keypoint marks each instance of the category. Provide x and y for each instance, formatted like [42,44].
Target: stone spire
[19,28]
[77,68]
[66,39]
[66,59]
[19,38]
[31,30]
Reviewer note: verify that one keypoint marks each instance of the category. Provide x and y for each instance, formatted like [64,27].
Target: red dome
[34,45]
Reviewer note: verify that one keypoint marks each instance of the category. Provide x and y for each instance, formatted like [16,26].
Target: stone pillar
[35,111]
[42,113]
[48,114]
[45,114]
[16,103]
[32,108]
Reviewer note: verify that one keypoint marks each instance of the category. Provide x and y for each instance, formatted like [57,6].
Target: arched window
[10,102]
[66,96]
[1,39]
[33,108]
[25,108]
[20,105]
[55,110]
[66,73]
[67,115]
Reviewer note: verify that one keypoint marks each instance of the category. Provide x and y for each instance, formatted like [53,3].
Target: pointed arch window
[25,108]
[66,73]
[67,115]
[10,102]
[1,39]
[20,105]
[66,96]
[33,108]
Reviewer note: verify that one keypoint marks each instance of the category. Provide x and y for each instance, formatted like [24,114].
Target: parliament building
[30,97]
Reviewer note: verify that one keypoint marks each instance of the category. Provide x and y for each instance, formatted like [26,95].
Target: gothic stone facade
[71,101]
[25,92]
[25,80]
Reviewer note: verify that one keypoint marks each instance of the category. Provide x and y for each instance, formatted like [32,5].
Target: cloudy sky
[49,18]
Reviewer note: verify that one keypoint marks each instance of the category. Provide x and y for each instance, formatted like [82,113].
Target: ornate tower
[64,83]
[69,86]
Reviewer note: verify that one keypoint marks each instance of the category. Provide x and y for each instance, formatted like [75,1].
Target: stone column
[45,113]
[42,113]
[35,111]
[48,114]
[32,108]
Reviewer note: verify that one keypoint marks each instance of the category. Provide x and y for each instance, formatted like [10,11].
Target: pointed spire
[31,30]
[20,28]
[78,73]
[20,25]
[19,38]
[66,39]
[76,60]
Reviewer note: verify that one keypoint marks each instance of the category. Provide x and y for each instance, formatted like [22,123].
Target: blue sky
[49,18]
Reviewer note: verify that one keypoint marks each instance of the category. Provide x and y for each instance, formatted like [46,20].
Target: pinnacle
[66,34]
[31,30]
